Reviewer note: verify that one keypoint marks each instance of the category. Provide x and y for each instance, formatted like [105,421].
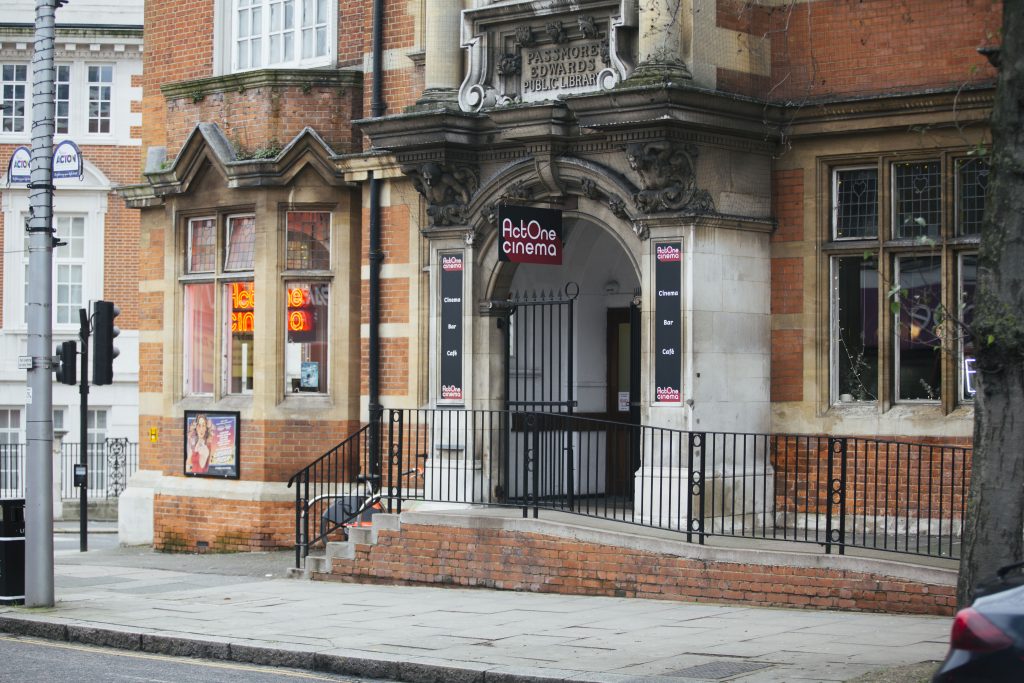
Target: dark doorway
[622,400]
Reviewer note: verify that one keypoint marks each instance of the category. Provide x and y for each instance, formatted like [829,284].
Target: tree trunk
[994,524]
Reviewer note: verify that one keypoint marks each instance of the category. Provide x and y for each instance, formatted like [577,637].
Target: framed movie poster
[211,444]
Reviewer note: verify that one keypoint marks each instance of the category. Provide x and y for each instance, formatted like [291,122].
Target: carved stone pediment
[447,189]
[667,178]
[532,51]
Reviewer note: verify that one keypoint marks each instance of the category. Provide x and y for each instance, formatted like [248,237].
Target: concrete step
[346,550]
[366,535]
[318,564]
[342,550]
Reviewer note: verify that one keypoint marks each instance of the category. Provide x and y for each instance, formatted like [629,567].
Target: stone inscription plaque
[559,69]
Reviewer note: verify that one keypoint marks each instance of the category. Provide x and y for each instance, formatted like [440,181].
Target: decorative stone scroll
[447,189]
[525,55]
[667,178]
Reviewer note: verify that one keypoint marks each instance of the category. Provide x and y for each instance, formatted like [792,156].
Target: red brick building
[740,184]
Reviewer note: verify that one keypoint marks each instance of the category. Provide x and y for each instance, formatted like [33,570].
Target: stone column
[443,60]
[666,33]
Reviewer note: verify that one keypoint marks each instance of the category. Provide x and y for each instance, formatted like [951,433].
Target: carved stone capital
[447,189]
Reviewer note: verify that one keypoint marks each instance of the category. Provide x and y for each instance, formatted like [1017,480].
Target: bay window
[231,313]
[307,300]
[282,33]
[902,269]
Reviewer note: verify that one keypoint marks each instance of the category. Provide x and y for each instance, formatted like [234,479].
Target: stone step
[342,550]
[366,535]
[346,550]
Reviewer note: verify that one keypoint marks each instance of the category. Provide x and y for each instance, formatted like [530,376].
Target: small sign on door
[623,401]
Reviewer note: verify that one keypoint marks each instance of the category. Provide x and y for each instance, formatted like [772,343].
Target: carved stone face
[430,173]
[634,155]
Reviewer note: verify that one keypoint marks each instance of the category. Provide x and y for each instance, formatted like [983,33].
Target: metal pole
[39,394]
[376,254]
[83,433]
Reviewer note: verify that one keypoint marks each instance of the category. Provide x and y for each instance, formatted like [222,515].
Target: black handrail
[334,475]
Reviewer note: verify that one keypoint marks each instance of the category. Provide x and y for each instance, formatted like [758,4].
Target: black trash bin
[12,551]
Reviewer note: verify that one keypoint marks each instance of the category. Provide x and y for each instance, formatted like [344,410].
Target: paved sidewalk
[227,607]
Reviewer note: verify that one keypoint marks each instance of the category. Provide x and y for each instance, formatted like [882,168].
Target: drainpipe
[376,256]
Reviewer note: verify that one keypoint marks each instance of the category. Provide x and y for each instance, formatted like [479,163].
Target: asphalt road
[29,660]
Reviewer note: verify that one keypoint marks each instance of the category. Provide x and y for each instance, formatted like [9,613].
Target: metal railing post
[298,527]
[395,448]
[836,495]
[695,489]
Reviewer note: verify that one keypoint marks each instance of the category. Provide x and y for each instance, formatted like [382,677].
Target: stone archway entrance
[572,346]
[598,276]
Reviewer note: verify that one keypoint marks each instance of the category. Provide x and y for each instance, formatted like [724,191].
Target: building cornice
[963,106]
[264,78]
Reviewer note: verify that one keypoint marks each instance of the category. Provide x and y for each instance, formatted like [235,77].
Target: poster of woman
[211,444]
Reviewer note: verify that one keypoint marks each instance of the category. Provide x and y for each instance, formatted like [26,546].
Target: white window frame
[109,85]
[226,26]
[62,259]
[96,451]
[26,99]
[65,260]
[57,99]
[12,462]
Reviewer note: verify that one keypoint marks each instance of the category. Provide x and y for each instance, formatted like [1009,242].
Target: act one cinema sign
[530,235]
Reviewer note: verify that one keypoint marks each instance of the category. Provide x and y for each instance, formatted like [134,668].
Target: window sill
[209,402]
[306,401]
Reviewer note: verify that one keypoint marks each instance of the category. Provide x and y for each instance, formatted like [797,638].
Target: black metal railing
[322,484]
[12,470]
[110,464]
[837,492]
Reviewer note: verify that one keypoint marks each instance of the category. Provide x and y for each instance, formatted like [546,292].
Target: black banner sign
[451,327]
[530,235]
[668,268]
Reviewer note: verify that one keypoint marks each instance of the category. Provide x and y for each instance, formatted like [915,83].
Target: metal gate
[539,364]
[539,351]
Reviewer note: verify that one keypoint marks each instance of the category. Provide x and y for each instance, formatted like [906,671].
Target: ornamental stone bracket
[667,178]
[447,188]
[529,51]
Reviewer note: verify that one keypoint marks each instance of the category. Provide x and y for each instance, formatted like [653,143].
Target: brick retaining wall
[521,560]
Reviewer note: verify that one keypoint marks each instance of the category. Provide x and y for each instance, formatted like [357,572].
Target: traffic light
[67,354]
[103,350]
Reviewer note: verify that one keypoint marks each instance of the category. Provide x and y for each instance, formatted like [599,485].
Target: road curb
[408,670]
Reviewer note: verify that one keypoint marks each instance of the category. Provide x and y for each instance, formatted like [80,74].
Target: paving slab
[199,607]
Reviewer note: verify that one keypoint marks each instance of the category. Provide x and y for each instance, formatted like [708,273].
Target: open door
[622,401]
